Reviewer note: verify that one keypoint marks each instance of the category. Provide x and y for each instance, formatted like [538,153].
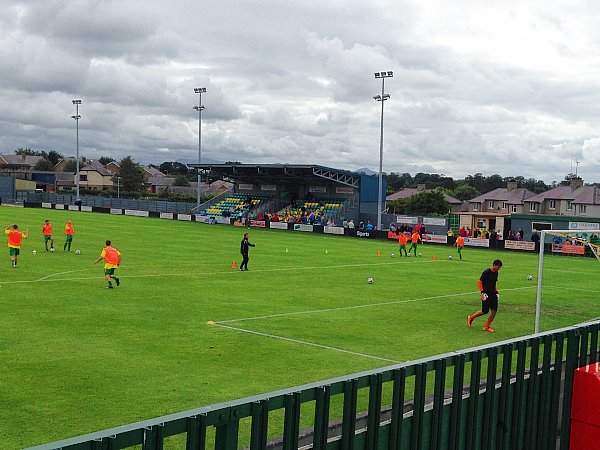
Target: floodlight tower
[77,117]
[381,98]
[199,108]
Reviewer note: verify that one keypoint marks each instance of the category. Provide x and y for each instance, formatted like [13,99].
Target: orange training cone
[378,252]
[233,265]
[434,258]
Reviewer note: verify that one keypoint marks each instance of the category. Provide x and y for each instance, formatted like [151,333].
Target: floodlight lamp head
[377,97]
[199,108]
[76,102]
[199,90]
[77,117]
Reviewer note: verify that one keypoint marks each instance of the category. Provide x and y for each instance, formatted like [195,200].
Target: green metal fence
[514,394]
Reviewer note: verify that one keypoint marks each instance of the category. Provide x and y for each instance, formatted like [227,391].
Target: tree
[54,157]
[70,166]
[422,203]
[132,175]
[104,160]
[27,151]
[44,165]
[464,192]
[174,168]
[181,180]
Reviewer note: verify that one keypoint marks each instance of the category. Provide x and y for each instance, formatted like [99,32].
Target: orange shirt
[402,239]
[69,229]
[112,257]
[47,229]
[15,237]
[460,241]
[415,237]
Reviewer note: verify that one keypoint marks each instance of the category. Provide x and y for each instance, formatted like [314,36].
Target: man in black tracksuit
[245,244]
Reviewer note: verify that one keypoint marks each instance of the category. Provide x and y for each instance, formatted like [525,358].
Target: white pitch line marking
[312,344]
[61,273]
[346,308]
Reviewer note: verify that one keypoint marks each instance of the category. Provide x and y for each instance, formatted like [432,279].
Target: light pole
[199,108]
[381,98]
[118,187]
[77,117]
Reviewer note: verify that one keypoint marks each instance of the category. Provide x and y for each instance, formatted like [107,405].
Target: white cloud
[508,88]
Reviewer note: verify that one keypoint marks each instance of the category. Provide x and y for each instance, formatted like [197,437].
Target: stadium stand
[237,203]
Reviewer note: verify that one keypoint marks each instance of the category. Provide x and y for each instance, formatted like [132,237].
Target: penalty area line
[311,344]
[347,308]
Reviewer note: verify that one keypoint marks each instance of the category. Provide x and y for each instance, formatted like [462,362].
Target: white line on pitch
[312,344]
[62,273]
[344,308]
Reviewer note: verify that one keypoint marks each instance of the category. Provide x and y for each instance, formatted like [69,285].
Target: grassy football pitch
[185,330]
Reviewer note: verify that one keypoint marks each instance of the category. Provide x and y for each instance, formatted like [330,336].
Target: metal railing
[514,394]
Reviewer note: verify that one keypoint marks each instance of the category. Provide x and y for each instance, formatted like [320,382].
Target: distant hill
[366,171]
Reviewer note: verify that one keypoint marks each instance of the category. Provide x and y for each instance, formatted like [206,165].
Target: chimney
[23,156]
[576,183]
[420,187]
[511,185]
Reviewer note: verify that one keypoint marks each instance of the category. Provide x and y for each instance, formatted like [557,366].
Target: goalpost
[575,242]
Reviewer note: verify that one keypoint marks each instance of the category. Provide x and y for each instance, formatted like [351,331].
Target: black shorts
[490,303]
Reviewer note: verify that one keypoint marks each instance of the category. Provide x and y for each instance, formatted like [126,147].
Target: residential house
[576,200]
[489,210]
[94,176]
[18,166]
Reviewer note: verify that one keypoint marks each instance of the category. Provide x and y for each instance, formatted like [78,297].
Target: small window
[82,177]
[476,206]
[532,207]
[582,209]
[569,205]
[513,208]
[491,204]
[504,205]
[551,204]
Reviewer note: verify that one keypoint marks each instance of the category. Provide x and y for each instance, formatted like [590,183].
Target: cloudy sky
[512,89]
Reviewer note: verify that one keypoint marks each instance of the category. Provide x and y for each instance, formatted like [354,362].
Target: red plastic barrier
[585,408]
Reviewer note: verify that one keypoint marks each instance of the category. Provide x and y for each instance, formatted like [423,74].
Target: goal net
[569,285]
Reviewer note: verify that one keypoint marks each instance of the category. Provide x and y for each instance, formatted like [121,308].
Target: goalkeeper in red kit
[489,296]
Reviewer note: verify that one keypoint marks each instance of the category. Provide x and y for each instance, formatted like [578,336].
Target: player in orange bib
[460,244]
[112,260]
[402,240]
[47,232]
[69,232]
[415,239]
[14,242]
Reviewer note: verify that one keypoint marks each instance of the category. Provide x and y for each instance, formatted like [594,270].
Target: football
[530,277]
[77,252]
[370,280]
[52,249]
[449,256]
[420,254]
[409,254]
[34,252]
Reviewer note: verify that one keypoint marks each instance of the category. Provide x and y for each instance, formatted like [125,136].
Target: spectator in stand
[535,237]
[345,223]
[370,226]
[476,233]
[512,236]
[520,233]
[402,228]
[392,227]
[361,225]
[494,239]
[351,224]
[462,231]
[469,232]
[275,218]
[331,222]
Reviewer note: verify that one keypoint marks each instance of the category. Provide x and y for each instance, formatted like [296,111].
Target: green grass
[77,357]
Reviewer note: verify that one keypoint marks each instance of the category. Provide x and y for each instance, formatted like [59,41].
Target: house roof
[587,195]
[153,171]
[512,196]
[97,167]
[405,193]
[20,160]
